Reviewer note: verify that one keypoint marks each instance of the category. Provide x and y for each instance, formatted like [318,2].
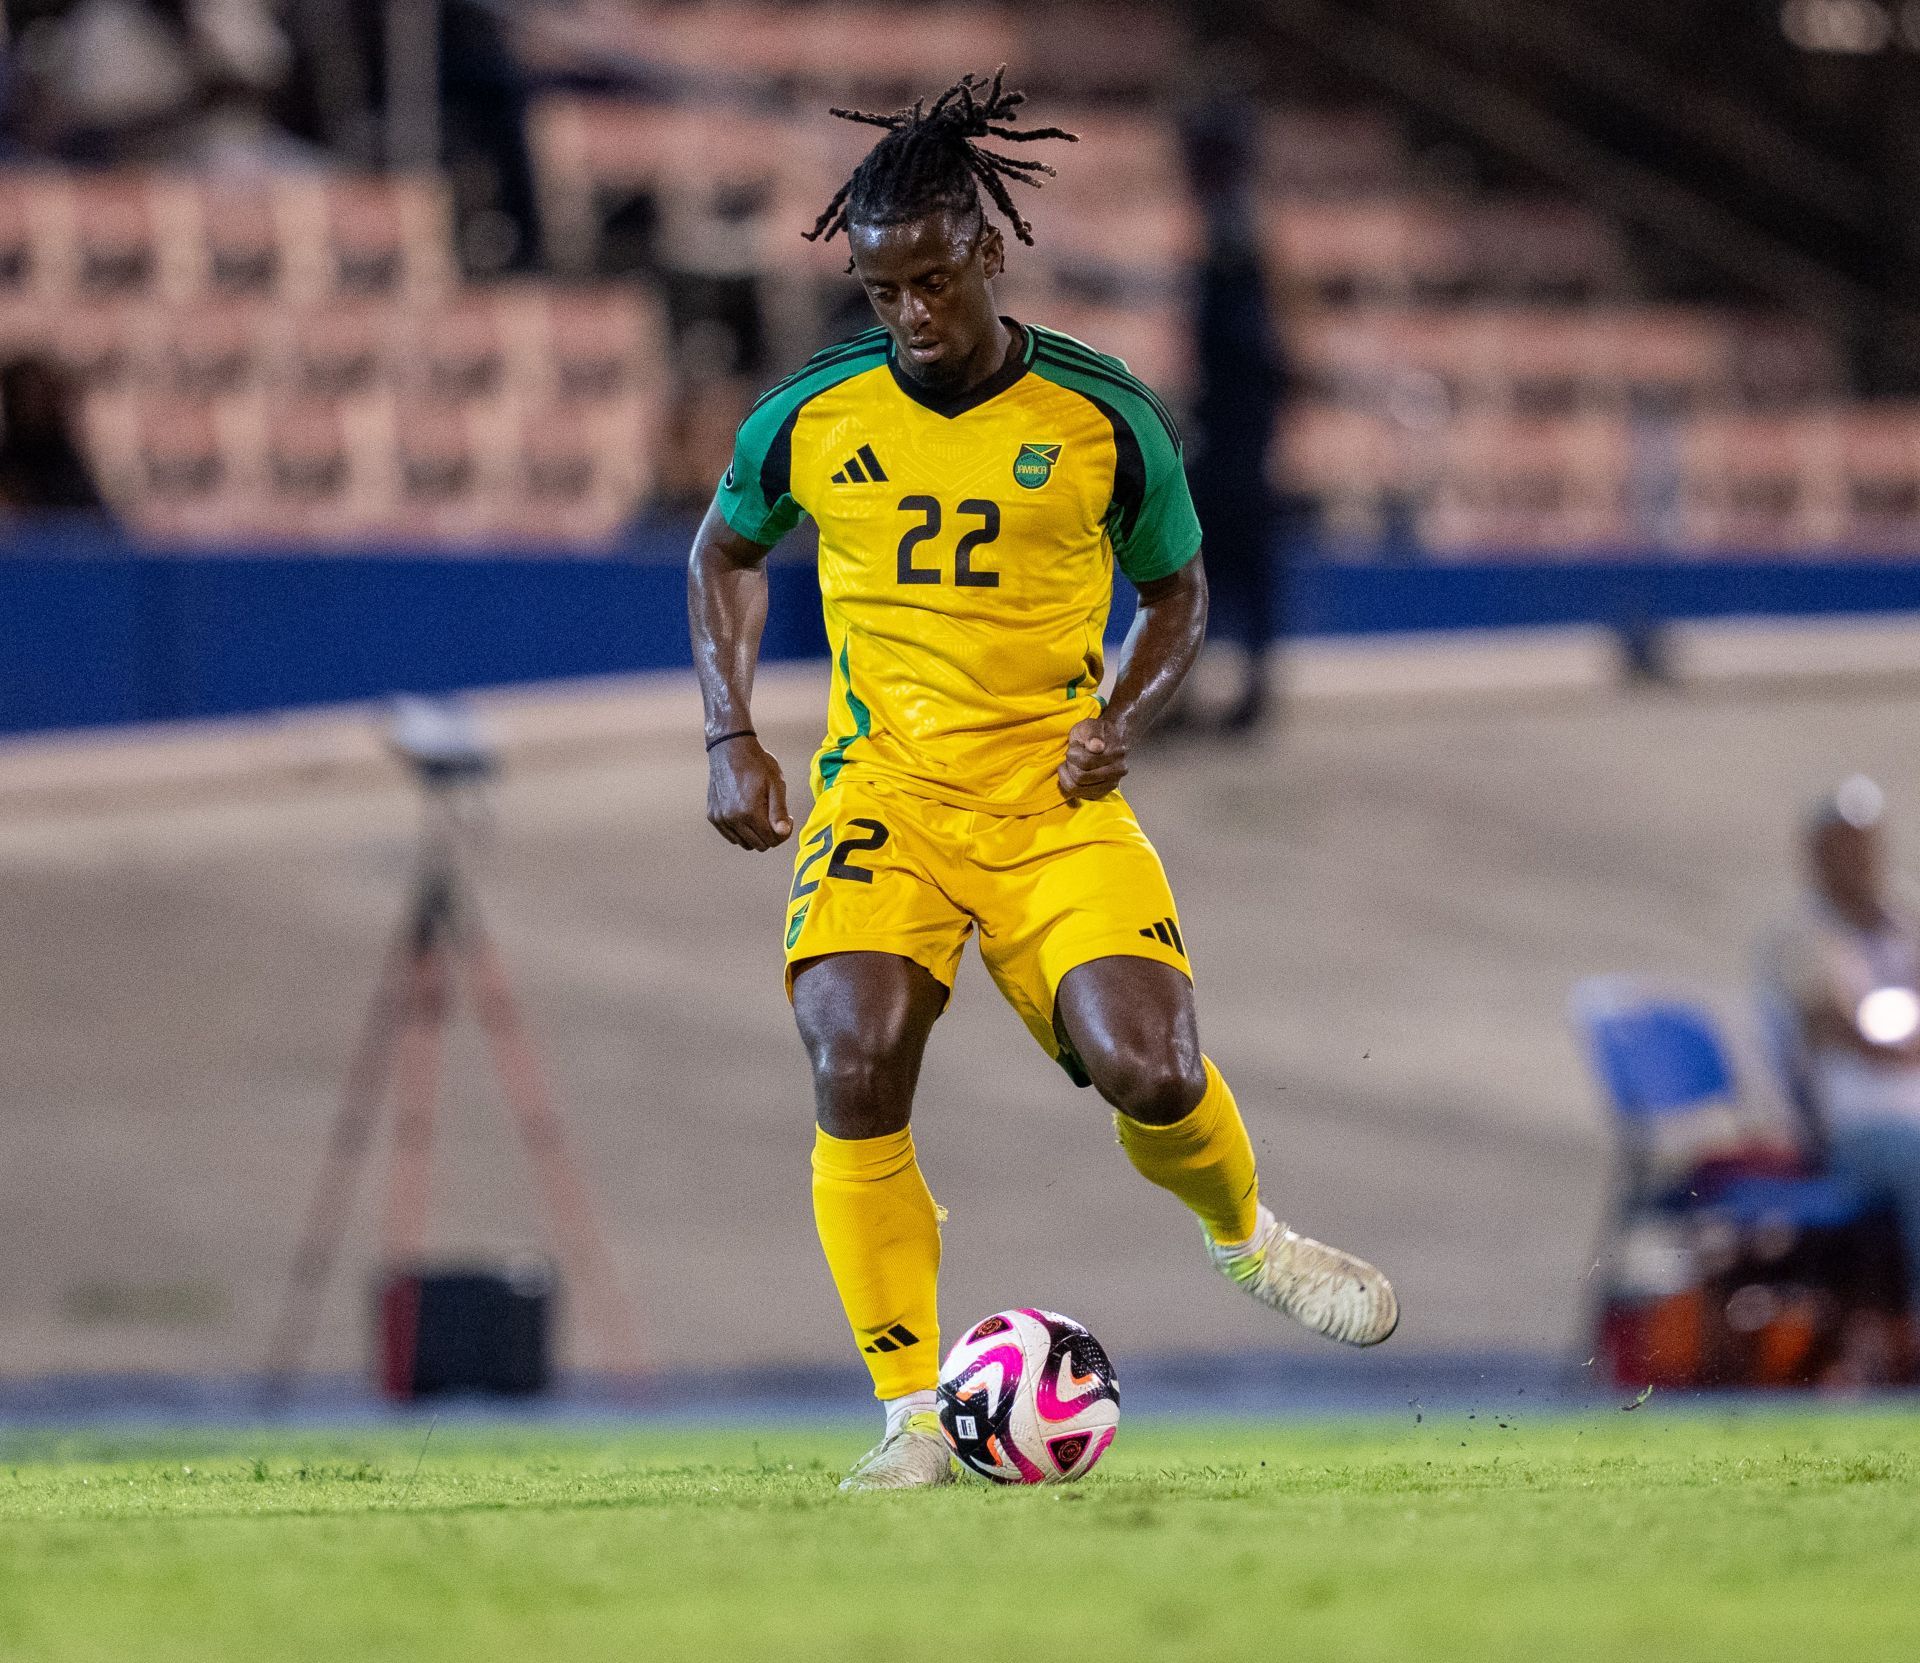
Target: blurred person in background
[42,466]
[709,254]
[448,91]
[1243,384]
[187,82]
[1839,983]
[485,99]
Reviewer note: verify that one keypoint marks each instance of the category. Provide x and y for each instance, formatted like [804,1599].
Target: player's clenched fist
[747,794]
[1096,760]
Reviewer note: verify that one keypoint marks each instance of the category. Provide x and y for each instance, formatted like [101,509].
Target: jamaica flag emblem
[1033,467]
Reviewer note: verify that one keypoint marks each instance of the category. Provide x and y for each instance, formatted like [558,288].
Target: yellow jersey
[967,551]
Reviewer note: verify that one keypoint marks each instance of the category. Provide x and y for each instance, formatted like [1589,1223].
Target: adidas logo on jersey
[862,468]
[1168,933]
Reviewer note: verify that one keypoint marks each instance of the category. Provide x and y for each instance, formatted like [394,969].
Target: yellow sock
[1205,1159]
[881,1232]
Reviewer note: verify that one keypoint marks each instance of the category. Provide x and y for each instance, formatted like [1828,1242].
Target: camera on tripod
[464,1326]
[442,740]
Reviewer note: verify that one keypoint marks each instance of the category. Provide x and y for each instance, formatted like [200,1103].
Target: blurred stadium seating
[1481,366]
[298,362]
[295,357]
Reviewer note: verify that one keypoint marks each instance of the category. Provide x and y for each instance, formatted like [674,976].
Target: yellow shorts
[879,870]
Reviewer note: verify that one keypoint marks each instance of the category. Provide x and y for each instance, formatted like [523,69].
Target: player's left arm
[1160,649]
[1156,542]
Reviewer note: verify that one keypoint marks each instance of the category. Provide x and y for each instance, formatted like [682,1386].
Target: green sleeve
[1162,533]
[755,494]
[1150,519]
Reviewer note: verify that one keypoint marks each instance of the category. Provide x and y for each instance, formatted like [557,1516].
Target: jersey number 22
[965,574]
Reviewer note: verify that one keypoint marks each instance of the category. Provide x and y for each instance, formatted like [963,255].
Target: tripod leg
[569,1202]
[416,1094]
[347,1147]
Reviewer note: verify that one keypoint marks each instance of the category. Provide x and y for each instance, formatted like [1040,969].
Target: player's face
[929,280]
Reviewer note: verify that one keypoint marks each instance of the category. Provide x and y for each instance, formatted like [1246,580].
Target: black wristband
[738,733]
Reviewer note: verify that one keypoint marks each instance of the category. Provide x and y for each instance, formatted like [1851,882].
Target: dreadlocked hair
[932,159]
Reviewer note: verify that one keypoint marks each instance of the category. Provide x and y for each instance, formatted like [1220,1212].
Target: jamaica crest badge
[1033,467]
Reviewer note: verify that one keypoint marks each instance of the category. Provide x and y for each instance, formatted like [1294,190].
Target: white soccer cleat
[911,1458]
[1321,1288]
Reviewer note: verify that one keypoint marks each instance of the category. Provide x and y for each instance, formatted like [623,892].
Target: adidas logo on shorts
[1167,933]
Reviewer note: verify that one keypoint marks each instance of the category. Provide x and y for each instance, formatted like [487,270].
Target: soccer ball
[1028,1397]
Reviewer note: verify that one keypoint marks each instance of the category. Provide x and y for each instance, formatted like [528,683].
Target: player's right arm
[726,611]
[752,510]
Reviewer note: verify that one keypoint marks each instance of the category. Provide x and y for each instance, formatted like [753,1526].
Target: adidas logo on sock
[863,468]
[896,1338]
[1168,933]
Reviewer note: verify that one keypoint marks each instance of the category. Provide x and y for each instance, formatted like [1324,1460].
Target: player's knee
[860,1089]
[1154,1085]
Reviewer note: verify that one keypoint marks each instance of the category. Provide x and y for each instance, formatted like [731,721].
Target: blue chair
[1660,1057]
[1669,1080]
[1656,1056]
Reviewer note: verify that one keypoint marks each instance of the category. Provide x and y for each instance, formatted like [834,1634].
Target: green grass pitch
[1646,1536]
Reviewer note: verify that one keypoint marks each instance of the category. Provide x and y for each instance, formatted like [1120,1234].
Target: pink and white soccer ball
[1028,1397]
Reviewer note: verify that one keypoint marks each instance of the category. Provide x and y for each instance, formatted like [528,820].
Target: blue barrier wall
[93,632]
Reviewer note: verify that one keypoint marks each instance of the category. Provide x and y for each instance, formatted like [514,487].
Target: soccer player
[974,481]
